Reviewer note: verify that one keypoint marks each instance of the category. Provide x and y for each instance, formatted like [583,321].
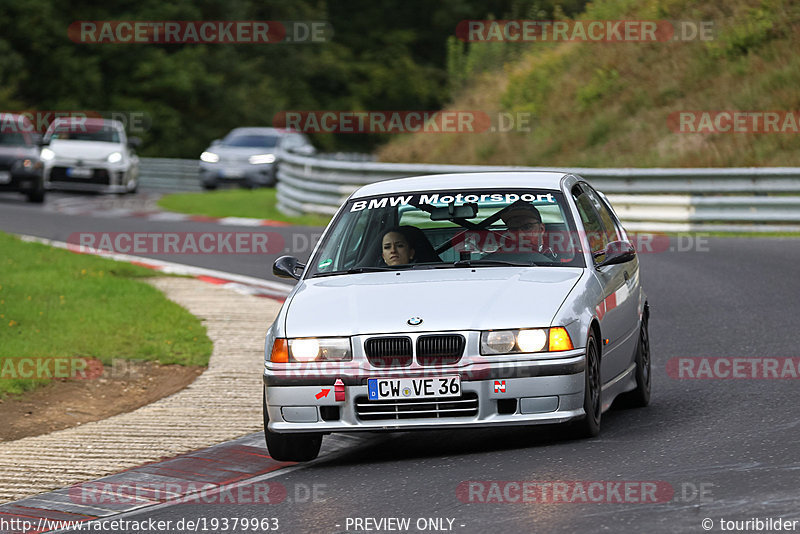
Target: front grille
[388,351]
[464,406]
[440,349]
[99,176]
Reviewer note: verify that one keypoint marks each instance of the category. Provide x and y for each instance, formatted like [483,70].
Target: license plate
[79,172]
[5,177]
[413,388]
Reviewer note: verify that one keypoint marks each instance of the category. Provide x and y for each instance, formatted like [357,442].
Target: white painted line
[339,451]
[168,216]
[240,221]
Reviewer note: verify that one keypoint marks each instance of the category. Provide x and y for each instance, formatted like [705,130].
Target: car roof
[87,121]
[461,181]
[259,130]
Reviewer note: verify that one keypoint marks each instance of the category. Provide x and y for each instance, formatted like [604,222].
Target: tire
[290,447]
[640,397]
[209,187]
[589,425]
[36,196]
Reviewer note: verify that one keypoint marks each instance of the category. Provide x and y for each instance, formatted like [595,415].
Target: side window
[607,218]
[598,239]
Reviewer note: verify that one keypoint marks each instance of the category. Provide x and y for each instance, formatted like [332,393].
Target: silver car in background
[458,301]
[90,154]
[249,157]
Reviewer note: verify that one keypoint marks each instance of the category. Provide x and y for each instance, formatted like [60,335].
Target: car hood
[452,299]
[84,149]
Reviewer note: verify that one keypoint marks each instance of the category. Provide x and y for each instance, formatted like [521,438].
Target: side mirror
[134,142]
[286,267]
[618,252]
[42,140]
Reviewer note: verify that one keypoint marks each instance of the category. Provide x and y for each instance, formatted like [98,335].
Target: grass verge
[57,304]
[254,203]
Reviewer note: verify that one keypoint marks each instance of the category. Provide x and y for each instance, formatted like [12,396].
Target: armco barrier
[167,174]
[756,199]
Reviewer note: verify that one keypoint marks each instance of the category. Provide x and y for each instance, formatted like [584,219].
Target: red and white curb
[245,285]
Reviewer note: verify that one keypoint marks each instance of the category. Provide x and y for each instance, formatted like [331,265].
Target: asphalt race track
[725,449]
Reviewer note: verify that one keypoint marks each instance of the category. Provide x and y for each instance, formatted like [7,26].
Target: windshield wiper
[355,270]
[486,263]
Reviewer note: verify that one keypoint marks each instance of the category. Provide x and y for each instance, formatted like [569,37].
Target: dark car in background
[249,156]
[20,166]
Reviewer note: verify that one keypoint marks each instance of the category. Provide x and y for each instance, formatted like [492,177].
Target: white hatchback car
[88,154]
[458,301]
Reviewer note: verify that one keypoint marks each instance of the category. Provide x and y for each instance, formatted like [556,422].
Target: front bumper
[105,177]
[23,181]
[237,173]
[534,392]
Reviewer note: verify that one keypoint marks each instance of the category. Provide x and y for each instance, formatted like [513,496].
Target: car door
[617,299]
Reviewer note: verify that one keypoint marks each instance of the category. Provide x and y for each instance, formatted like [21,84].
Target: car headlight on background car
[260,159]
[525,341]
[114,157]
[311,349]
[47,154]
[209,157]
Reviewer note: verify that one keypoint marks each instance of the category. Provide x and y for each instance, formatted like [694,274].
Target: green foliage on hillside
[609,104]
[382,56]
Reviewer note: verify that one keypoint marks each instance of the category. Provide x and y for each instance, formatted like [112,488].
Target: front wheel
[589,425]
[36,196]
[290,447]
[639,397]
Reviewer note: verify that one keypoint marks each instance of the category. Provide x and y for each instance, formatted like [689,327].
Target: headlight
[525,341]
[259,159]
[311,349]
[114,157]
[47,154]
[209,157]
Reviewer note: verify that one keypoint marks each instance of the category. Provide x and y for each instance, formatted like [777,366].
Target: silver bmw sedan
[458,301]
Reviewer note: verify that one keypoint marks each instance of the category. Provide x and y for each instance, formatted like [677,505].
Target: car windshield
[251,140]
[86,132]
[449,229]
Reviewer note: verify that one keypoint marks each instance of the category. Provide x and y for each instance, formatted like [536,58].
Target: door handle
[626,276]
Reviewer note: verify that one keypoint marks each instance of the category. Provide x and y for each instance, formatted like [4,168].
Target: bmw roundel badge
[415,321]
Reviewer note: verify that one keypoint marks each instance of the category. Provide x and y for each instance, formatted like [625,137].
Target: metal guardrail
[179,175]
[755,199]
[169,175]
